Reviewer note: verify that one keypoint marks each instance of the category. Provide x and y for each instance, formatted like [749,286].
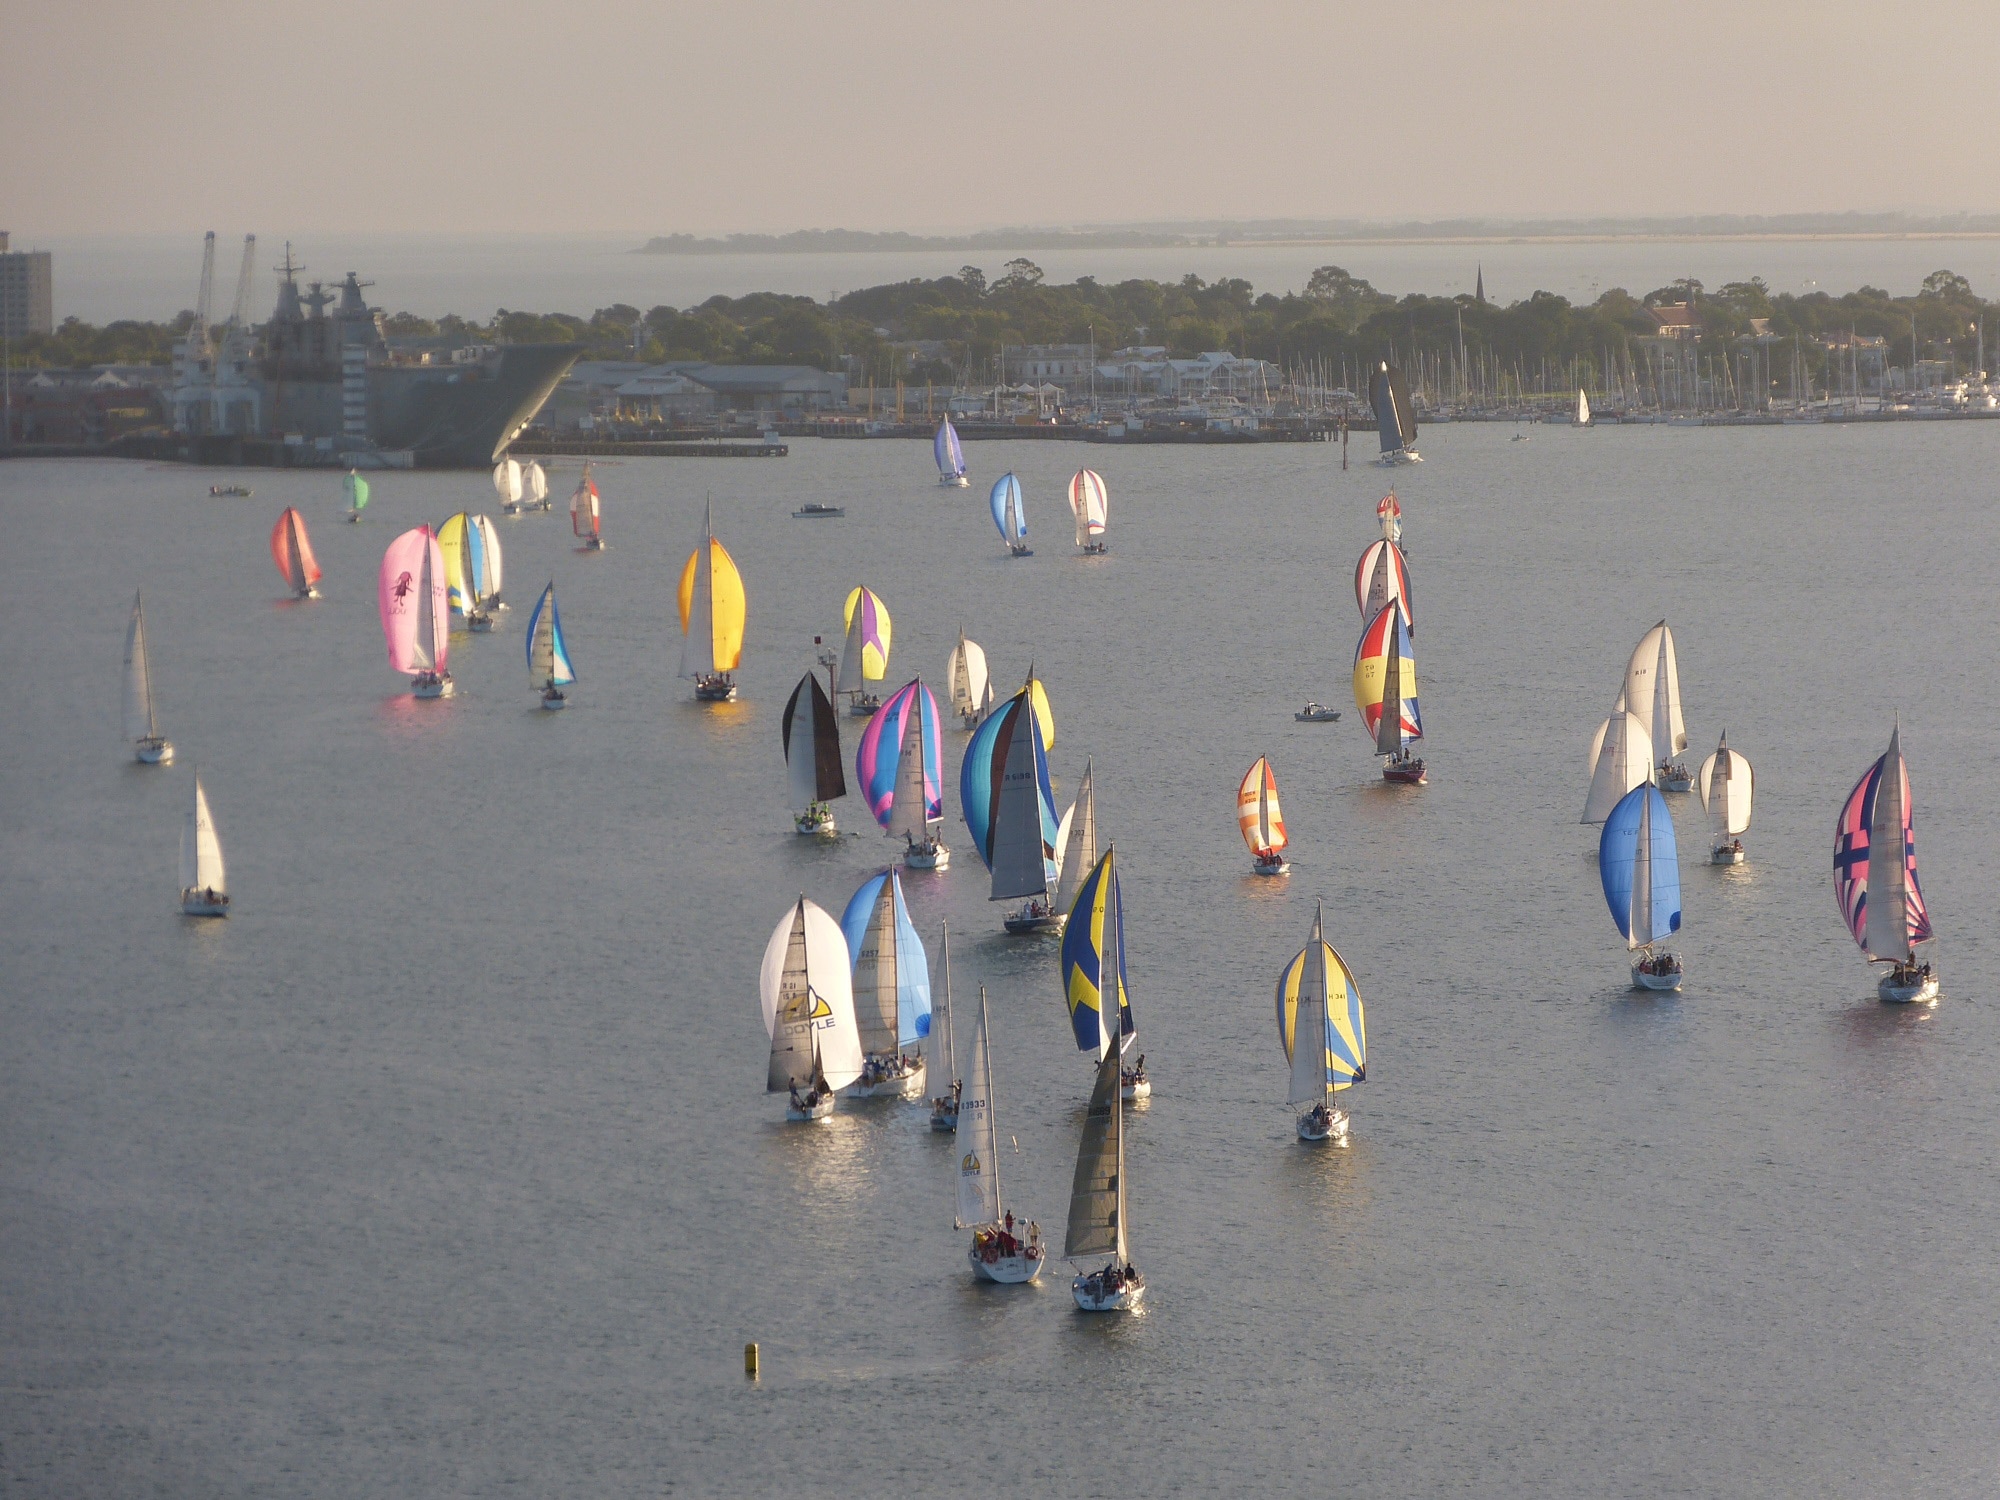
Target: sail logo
[970,1167]
[400,592]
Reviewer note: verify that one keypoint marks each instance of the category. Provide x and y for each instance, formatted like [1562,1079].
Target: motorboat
[1317,713]
[813,510]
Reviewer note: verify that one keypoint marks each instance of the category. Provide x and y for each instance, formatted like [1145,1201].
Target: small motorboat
[899,1076]
[432,685]
[236,491]
[1113,1289]
[1404,770]
[998,1254]
[1656,971]
[1323,1122]
[1133,1082]
[1317,713]
[1906,983]
[818,818]
[813,510]
[930,854]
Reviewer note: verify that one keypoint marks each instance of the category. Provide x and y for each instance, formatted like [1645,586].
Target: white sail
[1639,930]
[943,1045]
[487,584]
[908,813]
[808,1001]
[140,723]
[801,754]
[423,645]
[1726,789]
[507,480]
[1078,840]
[535,482]
[1886,909]
[1624,759]
[1653,691]
[966,676]
[1309,1074]
[1582,408]
[201,850]
[978,1135]
[851,680]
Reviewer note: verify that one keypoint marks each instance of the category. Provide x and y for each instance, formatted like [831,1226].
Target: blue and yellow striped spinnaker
[1346,1023]
[1083,958]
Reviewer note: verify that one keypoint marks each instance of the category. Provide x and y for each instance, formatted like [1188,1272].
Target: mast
[1111,1035]
[992,1108]
[1326,1003]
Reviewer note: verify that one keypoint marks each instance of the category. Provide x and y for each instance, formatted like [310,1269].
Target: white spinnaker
[1624,760]
[1726,790]
[201,850]
[851,680]
[423,645]
[978,1139]
[1653,690]
[1077,838]
[805,976]
[907,814]
[966,674]
[1887,911]
[140,723]
[507,480]
[536,482]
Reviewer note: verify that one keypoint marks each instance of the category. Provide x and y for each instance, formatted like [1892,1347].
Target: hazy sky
[442,115]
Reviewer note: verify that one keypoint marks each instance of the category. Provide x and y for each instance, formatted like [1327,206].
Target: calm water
[102,277]
[444,1165]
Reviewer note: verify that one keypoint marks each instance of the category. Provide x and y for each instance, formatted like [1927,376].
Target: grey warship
[460,412]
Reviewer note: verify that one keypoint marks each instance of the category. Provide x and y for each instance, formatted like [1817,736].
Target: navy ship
[458,412]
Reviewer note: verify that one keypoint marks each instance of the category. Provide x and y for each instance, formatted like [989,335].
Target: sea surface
[444,1167]
[99,278]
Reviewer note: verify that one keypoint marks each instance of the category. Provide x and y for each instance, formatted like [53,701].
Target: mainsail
[1077,834]
[966,675]
[548,653]
[1621,758]
[1395,418]
[712,607]
[811,737]
[1653,691]
[807,996]
[140,723]
[978,1135]
[201,850]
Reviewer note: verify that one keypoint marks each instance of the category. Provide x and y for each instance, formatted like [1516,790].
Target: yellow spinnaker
[876,630]
[727,607]
[1347,1041]
[1045,716]
[451,546]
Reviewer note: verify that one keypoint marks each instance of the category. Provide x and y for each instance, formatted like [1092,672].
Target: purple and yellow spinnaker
[878,761]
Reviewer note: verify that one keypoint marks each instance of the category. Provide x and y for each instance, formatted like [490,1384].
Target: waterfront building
[613,389]
[27,290]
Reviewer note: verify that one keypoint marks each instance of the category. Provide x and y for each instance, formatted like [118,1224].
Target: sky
[444,116]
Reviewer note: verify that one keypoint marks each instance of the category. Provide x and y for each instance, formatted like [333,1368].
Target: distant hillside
[1329,231]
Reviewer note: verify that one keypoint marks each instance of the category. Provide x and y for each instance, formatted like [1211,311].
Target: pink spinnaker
[411,592]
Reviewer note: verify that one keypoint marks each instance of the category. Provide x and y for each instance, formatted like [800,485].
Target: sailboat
[1583,418]
[1076,837]
[535,485]
[1640,868]
[892,988]
[971,688]
[507,485]
[1005,798]
[356,490]
[1010,514]
[548,654]
[204,884]
[811,735]
[1726,787]
[291,550]
[864,653]
[807,996]
[1389,516]
[1263,825]
[1385,676]
[1094,943]
[486,570]
[1001,1250]
[950,454]
[1621,757]
[410,593]
[901,771]
[1091,507]
[461,546]
[713,610]
[142,724]
[1381,575]
[1395,418]
[1097,1194]
[1653,685]
[944,1107]
[1308,1007]
[586,512]
[1875,877]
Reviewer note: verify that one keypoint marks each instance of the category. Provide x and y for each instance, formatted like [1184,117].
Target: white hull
[1675,783]
[1645,979]
[1728,854]
[1399,456]
[1333,1128]
[1135,1091]
[1008,1270]
[1272,867]
[554,700]
[429,686]
[954,482]
[1925,988]
[308,593]
[901,1086]
[1092,1295]
[201,904]
[818,1109]
[154,752]
[935,857]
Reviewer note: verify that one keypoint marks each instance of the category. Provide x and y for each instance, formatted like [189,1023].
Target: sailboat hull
[1646,979]
[204,904]
[1405,773]
[714,690]
[1893,993]
[1094,1295]
[1008,1270]
[1676,781]
[817,1109]
[903,1085]
[862,705]
[927,857]
[944,1116]
[479,623]
[1025,921]
[1332,1128]
[1016,549]
[1727,854]
[552,700]
[954,482]
[154,752]
[805,824]
[1271,867]
[432,686]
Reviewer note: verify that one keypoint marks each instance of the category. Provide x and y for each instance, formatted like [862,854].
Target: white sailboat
[1653,686]
[971,688]
[1726,788]
[507,485]
[1621,757]
[1582,408]
[892,988]
[808,1005]
[142,724]
[535,485]
[204,883]
[1317,997]
[1097,1193]
[1090,504]
[944,1107]
[1001,1250]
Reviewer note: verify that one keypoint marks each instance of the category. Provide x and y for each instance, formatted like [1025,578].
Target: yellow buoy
[750,1360]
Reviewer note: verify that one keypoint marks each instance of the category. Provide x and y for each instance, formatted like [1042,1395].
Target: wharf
[678,446]
[1279,430]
